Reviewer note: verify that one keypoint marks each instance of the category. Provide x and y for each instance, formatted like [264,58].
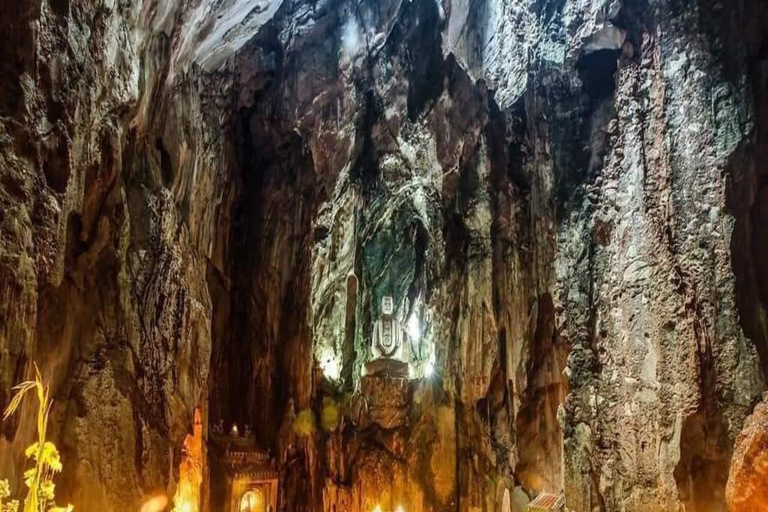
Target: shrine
[244,477]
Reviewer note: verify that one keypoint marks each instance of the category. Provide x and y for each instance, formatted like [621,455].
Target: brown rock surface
[387,400]
[748,481]
[204,202]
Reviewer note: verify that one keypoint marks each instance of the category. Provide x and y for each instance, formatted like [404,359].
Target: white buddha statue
[389,339]
[388,335]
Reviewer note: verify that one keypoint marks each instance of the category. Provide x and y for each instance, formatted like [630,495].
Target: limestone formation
[204,202]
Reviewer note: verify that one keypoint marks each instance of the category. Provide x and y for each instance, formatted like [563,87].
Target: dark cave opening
[258,370]
[597,70]
[583,109]
[166,167]
[56,163]
[747,199]
[422,38]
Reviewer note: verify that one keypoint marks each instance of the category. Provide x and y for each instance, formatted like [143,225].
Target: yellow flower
[5,489]
[31,451]
[29,477]
[12,506]
[49,457]
[47,490]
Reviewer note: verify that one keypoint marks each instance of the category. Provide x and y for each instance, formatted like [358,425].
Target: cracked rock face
[203,203]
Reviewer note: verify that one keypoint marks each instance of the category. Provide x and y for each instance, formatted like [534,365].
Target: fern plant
[47,461]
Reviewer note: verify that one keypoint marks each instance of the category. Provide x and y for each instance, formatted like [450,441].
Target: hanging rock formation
[203,203]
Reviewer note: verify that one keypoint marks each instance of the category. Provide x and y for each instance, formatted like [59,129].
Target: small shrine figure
[218,428]
[247,432]
[389,338]
[387,333]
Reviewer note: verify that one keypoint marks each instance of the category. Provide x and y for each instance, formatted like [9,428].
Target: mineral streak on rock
[203,203]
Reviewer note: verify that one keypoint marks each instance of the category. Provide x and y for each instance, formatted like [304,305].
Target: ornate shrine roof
[242,457]
[546,502]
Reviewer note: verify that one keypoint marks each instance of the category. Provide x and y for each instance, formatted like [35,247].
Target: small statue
[387,344]
[218,428]
[247,431]
[388,334]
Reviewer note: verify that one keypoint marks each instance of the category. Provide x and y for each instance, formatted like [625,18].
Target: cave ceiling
[385,255]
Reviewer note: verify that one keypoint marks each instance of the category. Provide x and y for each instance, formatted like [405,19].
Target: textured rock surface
[108,229]
[749,469]
[204,201]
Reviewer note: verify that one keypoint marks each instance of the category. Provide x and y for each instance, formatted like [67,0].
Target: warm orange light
[252,501]
[156,504]
[187,495]
[400,509]
[377,509]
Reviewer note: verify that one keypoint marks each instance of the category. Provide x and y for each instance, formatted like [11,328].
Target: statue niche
[387,344]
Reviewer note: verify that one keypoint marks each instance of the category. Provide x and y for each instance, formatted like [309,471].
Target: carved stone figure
[388,334]
[388,340]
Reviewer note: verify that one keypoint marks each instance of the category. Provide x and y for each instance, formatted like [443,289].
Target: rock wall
[116,176]
[203,203]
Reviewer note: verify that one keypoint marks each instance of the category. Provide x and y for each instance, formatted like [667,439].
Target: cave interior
[384,256]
